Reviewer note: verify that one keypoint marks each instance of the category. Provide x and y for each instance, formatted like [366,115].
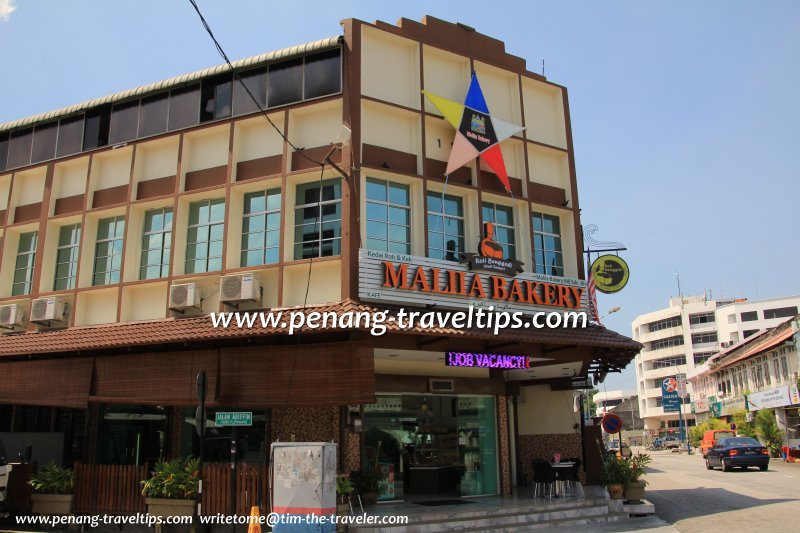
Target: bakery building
[129,219]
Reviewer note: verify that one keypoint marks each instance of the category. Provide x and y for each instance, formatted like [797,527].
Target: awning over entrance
[55,382]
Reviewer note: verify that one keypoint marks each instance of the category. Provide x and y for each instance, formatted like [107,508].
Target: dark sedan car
[737,451]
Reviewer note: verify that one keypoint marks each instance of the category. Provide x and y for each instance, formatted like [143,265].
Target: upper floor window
[702,318]
[388,216]
[23,268]
[780,312]
[445,226]
[704,338]
[205,236]
[261,228]
[318,219]
[156,243]
[108,251]
[658,344]
[67,255]
[665,323]
[547,252]
[502,217]
[749,316]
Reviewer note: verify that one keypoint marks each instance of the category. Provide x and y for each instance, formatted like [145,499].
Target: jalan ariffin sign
[473,285]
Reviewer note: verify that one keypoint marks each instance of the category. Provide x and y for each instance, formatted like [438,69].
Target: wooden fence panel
[217,488]
[112,489]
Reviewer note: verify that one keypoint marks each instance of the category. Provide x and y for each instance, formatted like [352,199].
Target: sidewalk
[649,524]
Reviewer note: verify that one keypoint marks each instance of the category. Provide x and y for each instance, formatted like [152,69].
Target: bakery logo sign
[490,258]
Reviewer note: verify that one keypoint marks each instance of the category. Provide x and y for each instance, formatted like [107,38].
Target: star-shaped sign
[478,133]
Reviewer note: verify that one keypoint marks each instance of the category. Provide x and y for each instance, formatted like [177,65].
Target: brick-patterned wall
[307,424]
[544,446]
[351,455]
[505,448]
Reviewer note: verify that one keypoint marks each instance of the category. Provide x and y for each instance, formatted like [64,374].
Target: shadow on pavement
[680,504]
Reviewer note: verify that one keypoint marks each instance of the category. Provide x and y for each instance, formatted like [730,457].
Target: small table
[561,465]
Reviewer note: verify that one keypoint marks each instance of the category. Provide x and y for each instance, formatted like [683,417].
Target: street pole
[683,428]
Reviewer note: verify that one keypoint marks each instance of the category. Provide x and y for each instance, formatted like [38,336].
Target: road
[694,499]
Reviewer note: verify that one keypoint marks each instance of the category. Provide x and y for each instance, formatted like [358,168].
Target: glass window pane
[153,114]
[399,233]
[322,73]
[168,218]
[504,215]
[124,122]
[377,230]
[274,199]
[215,249]
[274,221]
[216,232]
[104,228]
[487,212]
[398,194]
[217,213]
[399,215]
[537,222]
[214,264]
[272,256]
[256,81]
[3,150]
[255,202]
[119,227]
[377,244]
[19,148]
[377,211]
[399,248]
[273,238]
[95,132]
[331,190]
[376,190]
[44,142]
[252,258]
[215,99]
[184,107]
[434,203]
[452,205]
[70,136]
[285,82]
[252,241]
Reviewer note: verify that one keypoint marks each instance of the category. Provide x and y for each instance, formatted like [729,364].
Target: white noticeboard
[304,481]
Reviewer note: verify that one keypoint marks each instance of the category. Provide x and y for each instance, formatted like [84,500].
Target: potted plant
[172,488]
[615,476]
[634,488]
[53,486]
[344,487]
[371,485]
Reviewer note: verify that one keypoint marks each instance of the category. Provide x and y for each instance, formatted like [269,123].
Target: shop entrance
[431,447]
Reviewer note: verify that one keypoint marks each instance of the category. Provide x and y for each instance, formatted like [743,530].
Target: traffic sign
[240,418]
[652,432]
[612,423]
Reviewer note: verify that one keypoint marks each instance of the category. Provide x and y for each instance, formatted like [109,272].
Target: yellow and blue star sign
[478,133]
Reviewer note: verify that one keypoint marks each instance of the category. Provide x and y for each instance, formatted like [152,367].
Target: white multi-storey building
[684,335]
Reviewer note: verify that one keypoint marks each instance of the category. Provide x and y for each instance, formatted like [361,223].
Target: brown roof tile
[178,330]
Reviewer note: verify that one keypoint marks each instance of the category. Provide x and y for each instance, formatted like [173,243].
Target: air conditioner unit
[236,288]
[725,344]
[46,310]
[13,315]
[184,296]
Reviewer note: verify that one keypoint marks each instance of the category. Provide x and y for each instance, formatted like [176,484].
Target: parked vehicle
[712,437]
[670,442]
[620,451]
[739,452]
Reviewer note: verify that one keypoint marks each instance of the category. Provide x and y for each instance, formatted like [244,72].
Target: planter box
[51,504]
[634,493]
[616,492]
[164,507]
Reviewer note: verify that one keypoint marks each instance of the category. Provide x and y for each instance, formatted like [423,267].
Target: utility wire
[238,78]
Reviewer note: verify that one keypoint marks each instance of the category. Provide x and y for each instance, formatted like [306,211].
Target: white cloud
[6,8]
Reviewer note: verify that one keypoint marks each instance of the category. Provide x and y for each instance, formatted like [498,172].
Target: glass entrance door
[432,446]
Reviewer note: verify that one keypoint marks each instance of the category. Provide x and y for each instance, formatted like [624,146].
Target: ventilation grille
[232,287]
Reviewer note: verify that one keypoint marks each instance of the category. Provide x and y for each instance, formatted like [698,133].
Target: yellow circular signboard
[610,273]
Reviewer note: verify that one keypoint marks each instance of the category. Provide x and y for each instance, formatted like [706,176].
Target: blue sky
[685,114]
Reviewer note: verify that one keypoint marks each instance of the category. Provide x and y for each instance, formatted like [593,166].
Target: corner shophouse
[127,220]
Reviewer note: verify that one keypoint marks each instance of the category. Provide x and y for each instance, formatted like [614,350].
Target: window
[215,98]
[70,136]
[156,244]
[322,74]
[784,368]
[666,323]
[667,362]
[205,236]
[285,82]
[704,338]
[3,150]
[503,219]
[702,318]
[388,216]
[702,357]
[44,142]
[749,332]
[108,251]
[19,148]
[67,253]
[261,228]
[256,81]
[732,319]
[153,114]
[781,312]
[445,226]
[318,219]
[124,122]
[547,253]
[667,343]
[184,105]
[95,133]
[26,258]
[749,316]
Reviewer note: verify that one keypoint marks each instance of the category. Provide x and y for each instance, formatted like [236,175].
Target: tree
[768,432]
[696,433]
[743,427]
[592,407]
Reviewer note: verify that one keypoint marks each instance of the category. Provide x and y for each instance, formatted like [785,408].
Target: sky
[684,114]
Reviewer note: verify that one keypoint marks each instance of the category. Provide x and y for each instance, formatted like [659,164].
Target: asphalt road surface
[693,499]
